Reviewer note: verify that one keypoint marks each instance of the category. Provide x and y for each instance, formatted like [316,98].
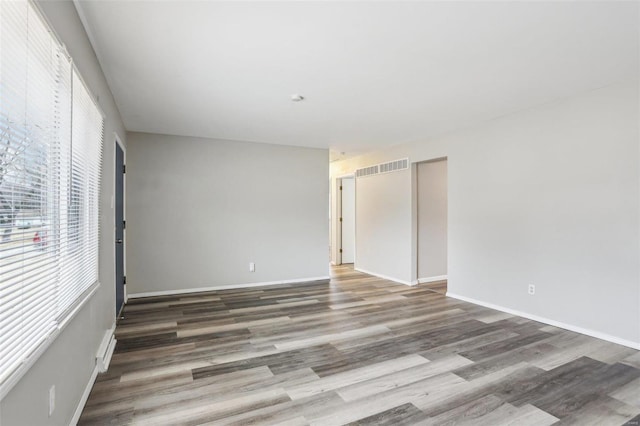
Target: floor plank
[355,350]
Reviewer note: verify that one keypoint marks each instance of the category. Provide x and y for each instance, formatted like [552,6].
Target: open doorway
[347,220]
[432,224]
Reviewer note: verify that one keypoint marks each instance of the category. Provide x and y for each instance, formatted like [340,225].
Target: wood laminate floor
[437,286]
[357,350]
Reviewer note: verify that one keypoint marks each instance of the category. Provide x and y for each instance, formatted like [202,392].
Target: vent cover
[391,166]
[394,166]
[367,171]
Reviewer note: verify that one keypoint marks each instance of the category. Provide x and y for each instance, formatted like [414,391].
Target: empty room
[319,212]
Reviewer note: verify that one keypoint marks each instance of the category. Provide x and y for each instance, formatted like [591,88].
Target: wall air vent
[367,171]
[394,166]
[391,166]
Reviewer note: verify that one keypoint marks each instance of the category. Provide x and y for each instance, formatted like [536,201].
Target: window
[50,155]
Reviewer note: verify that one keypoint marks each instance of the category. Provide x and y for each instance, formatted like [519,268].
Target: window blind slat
[50,159]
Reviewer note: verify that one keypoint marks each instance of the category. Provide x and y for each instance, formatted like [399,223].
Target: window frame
[66,316]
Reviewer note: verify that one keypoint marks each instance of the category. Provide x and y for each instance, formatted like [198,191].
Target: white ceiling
[372,73]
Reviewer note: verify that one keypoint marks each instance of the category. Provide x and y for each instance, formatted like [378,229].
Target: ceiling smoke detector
[297,98]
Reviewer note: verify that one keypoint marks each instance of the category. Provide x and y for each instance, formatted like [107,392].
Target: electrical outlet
[52,399]
[252,267]
[532,289]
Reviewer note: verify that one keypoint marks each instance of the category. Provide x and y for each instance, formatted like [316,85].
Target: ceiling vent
[391,166]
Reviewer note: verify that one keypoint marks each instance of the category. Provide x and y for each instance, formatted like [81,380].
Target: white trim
[386,277]
[119,141]
[433,279]
[337,223]
[336,212]
[103,357]
[339,185]
[592,333]
[106,348]
[106,359]
[124,212]
[83,399]
[346,176]
[224,287]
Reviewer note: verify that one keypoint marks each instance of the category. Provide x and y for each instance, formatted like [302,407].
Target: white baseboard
[395,280]
[585,331]
[85,396]
[224,287]
[432,279]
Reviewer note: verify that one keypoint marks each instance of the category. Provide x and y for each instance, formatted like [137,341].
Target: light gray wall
[383,211]
[199,210]
[550,197]
[70,360]
[432,218]
[547,196]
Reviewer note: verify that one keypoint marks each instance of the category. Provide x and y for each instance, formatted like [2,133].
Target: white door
[348,220]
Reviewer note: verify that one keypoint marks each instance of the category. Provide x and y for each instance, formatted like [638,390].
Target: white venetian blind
[80,251]
[50,155]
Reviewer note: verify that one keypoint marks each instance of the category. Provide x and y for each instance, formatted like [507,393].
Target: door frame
[124,213]
[338,215]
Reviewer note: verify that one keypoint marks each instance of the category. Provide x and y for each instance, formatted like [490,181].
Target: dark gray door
[119,229]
